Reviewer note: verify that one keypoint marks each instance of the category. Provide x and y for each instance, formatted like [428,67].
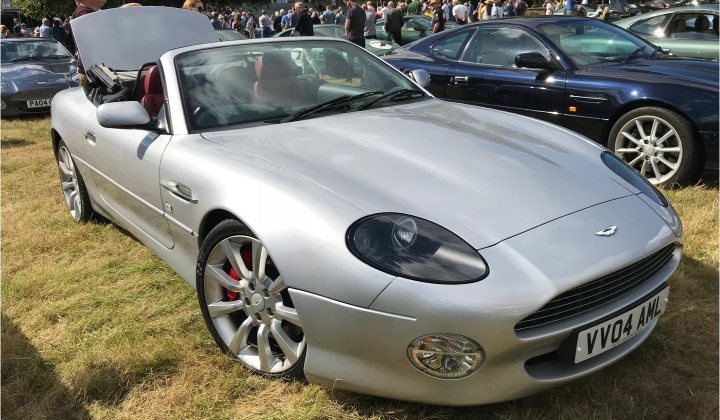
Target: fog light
[446,356]
[2,104]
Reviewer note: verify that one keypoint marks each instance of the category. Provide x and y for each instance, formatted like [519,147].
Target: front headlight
[414,248]
[624,171]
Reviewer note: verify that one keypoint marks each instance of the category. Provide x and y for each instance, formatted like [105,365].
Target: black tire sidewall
[224,230]
[691,165]
[86,211]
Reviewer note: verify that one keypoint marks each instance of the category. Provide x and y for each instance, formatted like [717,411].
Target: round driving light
[404,233]
[446,356]
[2,104]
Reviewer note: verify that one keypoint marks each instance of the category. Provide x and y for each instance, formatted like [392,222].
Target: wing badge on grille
[608,231]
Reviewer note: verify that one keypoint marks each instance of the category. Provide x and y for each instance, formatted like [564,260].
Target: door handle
[90,137]
[179,190]
[460,80]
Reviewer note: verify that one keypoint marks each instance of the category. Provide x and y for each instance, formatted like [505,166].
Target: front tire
[75,194]
[246,305]
[658,143]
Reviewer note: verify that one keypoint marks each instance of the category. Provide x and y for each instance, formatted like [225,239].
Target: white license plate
[39,103]
[613,332]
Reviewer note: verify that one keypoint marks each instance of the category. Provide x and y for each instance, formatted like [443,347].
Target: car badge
[608,231]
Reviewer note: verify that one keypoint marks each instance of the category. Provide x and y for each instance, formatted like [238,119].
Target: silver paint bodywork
[527,194]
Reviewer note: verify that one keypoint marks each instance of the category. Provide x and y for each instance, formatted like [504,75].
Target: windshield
[265,83]
[588,41]
[331,31]
[16,51]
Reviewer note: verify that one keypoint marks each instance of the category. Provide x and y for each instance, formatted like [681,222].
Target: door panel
[126,166]
[486,75]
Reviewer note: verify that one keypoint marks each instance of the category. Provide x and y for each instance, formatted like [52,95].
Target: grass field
[95,326]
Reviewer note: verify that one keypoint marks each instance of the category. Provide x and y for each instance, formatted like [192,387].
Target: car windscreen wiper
[634,53]
[26,58]
[330,105]
[57,57]
[394,95]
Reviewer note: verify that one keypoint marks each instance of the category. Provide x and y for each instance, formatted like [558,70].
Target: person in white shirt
[497,10]
[549,7]
[460,12]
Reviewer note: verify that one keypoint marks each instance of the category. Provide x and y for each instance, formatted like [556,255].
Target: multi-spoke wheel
[659,144]
[246,303]
[73,187]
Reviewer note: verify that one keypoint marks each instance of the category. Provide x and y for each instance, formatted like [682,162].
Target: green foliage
[38,9]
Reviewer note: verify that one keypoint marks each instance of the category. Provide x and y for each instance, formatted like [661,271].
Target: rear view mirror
[122,115]
[421,77]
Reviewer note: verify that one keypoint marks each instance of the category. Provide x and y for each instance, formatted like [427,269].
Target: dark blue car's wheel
[660,144]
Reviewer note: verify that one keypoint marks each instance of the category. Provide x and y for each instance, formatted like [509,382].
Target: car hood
[38,75]
[485,175]
[662,70]
[126,38]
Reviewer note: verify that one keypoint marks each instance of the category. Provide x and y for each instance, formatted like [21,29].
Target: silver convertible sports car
[338,222]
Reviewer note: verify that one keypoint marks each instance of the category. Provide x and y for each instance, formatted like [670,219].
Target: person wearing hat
[485,13]
[438,20]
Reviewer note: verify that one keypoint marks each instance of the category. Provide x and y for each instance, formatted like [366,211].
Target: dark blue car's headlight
[414,248]
[624,171]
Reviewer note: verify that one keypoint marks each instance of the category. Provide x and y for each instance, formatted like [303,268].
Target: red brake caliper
[246,255]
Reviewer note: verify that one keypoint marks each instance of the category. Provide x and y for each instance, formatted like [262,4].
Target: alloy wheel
[69,182]
[250,307]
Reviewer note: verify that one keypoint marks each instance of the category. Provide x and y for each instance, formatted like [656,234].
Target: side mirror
[665,51]
[126,114]
[421,77]
[532,60]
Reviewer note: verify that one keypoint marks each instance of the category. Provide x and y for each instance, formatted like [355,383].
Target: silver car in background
[338,222]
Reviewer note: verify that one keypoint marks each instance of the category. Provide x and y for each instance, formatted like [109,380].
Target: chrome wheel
[652,146]
[249,306]
[71,186]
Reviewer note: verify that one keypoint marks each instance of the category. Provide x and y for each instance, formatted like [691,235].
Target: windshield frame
[571,56]
[178,93]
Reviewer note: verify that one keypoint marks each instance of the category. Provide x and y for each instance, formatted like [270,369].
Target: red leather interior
[154,98]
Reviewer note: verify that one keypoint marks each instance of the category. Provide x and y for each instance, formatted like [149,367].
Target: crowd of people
[56,28]
[301,16]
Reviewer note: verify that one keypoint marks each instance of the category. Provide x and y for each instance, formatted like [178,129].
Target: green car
[688,31]
[376,46]
[415,27]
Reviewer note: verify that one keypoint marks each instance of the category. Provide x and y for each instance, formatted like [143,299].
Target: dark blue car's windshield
[587,42]
[16,51]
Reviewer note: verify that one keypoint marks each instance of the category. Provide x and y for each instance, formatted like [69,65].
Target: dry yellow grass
[95,326]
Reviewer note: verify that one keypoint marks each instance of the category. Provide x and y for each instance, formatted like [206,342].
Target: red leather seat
[153,98]
[276,83]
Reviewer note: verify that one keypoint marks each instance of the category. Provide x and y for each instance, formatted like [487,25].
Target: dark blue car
[657,112]
[33,71]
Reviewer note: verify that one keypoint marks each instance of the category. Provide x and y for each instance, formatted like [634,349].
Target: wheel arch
[212,219]
[55,137]
[641,103]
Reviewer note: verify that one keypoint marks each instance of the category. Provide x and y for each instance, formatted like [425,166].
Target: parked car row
[340,223]
[657,112]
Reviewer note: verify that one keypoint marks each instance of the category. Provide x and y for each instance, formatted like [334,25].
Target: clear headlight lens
[446,356]
[414,248]
[624,171]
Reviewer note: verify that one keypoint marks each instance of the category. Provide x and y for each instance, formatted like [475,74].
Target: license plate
[613,332]
[39,103]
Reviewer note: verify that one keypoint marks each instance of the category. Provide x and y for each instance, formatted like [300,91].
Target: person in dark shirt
[304,23]
[83,8]
[438,20]
[355,24]
[394,22]
[57,32]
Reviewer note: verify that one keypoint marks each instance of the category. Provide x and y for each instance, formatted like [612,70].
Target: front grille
[35,94]
[598,292]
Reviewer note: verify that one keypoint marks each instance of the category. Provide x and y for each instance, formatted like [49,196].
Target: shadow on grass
[13,143]
[30,386]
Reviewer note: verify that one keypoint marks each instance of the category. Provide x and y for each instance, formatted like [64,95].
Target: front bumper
[365,349]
